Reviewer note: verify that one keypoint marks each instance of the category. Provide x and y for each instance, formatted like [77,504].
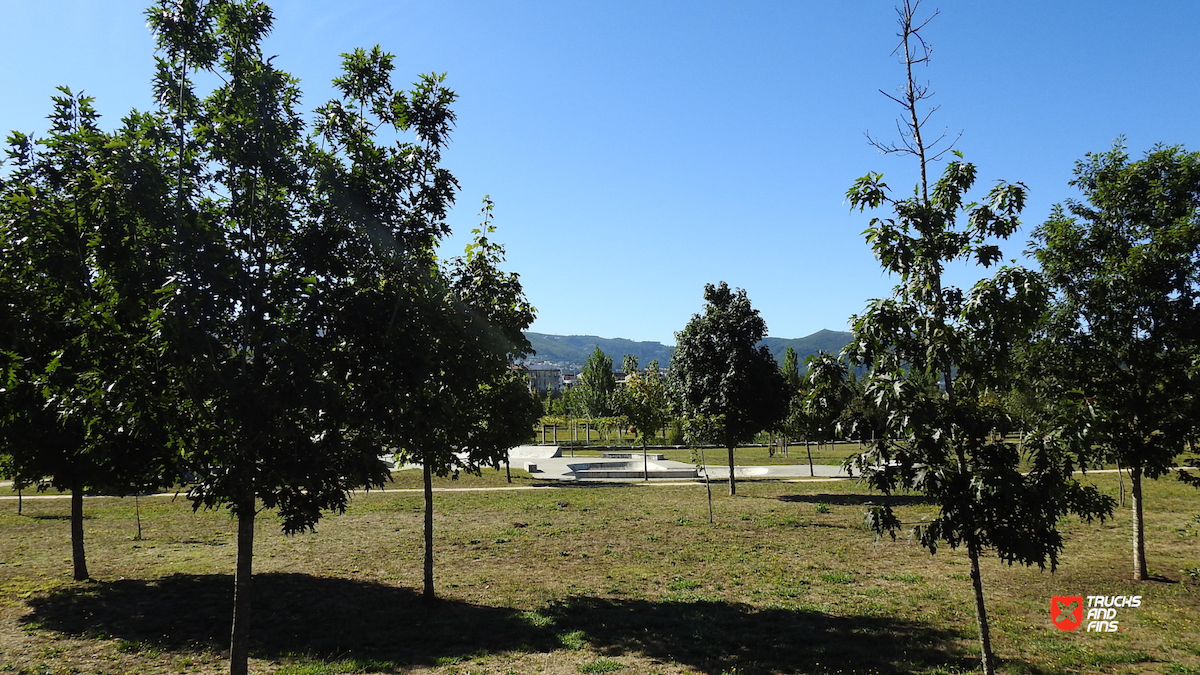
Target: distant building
[543,377]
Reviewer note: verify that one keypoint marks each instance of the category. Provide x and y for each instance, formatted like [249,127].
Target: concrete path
[561,468]
[721,471]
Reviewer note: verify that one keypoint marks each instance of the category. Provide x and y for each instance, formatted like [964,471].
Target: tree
[1125,265]
[790,425]
[645,402]
[826,396]
[718,371]
[597,385]
[791,369]
[469,406]
[936,352]
[282,243]
[81,262]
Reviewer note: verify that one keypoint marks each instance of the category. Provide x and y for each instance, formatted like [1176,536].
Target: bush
[675,433]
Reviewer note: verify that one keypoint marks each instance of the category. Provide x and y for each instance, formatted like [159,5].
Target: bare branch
[913,50]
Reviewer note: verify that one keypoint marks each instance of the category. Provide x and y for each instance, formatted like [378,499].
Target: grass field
[583,579]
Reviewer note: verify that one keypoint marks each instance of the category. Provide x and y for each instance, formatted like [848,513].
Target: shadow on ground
[331,618]
[859,500]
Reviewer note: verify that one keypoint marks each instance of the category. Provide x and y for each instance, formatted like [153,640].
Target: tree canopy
[597,386]
[721,373]
[82,257]
[1125,330]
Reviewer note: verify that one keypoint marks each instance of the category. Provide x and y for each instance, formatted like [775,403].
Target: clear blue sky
[637,150]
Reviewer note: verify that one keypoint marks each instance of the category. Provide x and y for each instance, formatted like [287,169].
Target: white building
[542,378]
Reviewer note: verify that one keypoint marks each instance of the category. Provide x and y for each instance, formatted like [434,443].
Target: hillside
[570,352]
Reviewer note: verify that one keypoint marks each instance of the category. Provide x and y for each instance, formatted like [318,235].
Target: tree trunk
[808,449]
[732,482]
[239,642]
[508,468]
[20,501]
[1140,572]
[1121,478]
[985,636]
[707,486]
[77,555]
[645,463]
[137,509]
[428,594]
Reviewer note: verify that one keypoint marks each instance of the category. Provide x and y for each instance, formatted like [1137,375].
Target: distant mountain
[830,341]
[570,352]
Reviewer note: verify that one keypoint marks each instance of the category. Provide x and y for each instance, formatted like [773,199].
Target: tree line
[223,292]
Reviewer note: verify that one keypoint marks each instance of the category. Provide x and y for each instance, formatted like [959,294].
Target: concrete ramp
[535,452]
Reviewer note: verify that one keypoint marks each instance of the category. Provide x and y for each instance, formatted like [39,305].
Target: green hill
[830,341]
[570,352]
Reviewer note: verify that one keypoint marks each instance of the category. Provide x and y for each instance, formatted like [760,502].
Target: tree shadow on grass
[859,500]
[332,618]
[718,637]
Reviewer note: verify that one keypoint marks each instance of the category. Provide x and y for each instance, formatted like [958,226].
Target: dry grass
[607,578]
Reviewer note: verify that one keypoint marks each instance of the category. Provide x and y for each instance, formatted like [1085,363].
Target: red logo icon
[1066,611]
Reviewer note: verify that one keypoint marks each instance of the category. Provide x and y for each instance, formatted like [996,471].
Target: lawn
[582,579]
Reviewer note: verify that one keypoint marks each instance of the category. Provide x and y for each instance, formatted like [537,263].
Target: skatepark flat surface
[560,468]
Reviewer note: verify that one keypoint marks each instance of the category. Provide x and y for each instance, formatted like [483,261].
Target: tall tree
[720,372]
[935,352]
[597,385]
[1125,264]
[82,246]
[280,240]
[645,402]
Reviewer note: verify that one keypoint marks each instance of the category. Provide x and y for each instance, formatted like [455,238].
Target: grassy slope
[581,579]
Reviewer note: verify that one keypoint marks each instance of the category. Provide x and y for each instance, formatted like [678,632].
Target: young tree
[934,352]
[798,420]
[282,243]
[470,406]
[81,261]
[718,371]
[597,385]
[1125,265]
[645,402]
[789,425]
[826,395]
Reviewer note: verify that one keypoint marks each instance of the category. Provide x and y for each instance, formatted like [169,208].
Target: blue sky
[637,151]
